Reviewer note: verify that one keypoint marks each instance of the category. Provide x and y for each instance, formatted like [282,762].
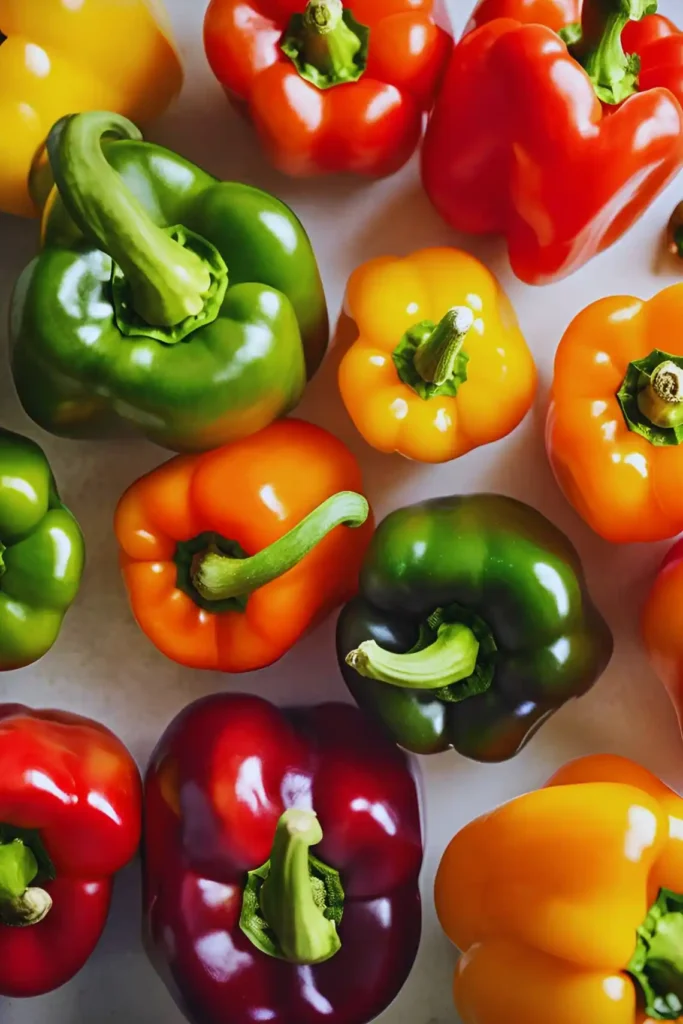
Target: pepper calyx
[657,964]
[326,44]
[23,861]
[651,398]
[430,358]
[613,72]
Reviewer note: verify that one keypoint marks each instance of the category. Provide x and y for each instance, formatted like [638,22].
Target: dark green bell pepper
[472,627]
[41,554]
[164,300]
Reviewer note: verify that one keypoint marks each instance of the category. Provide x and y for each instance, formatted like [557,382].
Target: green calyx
[613,72]
[571,34]
[326,44]
[293,904]
[651,398]
[166,283]
[218,575]
[454,657]
[430,357]
[23,860]
[657,964]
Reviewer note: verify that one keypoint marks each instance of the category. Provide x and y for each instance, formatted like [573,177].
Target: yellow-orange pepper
[567,903]
[440,365]
[60,57]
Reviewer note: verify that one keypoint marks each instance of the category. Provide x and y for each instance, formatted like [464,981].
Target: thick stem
[436,357]
[169,283]
[217,577]
[326,44]
[614,73]
[451,658]
[657,964]
[661,401]
[305,935]
[21,904]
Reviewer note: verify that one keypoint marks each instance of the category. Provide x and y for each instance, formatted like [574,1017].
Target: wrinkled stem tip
[323,15]
[667,383]
[358,660]
[300,821]
[460,318]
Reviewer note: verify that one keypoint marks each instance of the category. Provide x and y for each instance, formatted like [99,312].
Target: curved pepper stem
[167,282]
[218,577]
[661,401]
[326,44]
[436,357]
[451,658]
[614,73]
[21,904]
[657,964]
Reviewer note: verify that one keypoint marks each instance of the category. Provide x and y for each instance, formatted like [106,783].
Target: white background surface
[102,664]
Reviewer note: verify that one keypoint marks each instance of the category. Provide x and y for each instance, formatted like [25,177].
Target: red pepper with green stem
[282,854]
[70,818]
[559,150]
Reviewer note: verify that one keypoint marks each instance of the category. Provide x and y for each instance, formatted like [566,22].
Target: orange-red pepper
[567,903]
[615,427]
[229,557]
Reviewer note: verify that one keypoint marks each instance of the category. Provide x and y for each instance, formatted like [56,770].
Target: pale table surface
[103,666]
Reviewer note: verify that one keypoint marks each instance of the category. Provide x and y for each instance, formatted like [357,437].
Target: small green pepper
[41,554]
[472,627]
[164,301]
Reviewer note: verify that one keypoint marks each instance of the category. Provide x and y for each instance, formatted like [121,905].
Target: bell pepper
[42,554]
[183,307]
[472,627]
[440,365]
[616,418]
[70,818]
[282,854]
[567,903]
[57,58]
[559,150]
[330,87]
[662,626]
[230,557]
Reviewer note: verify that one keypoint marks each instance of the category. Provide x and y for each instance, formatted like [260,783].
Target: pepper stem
[176,280]
[288,897]
[436,357]
[661,400]
[218,577]
[657,964]
[451,658]
[326,44]
[21,904]
[614,73]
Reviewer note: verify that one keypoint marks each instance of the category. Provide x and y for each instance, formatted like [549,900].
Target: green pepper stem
[288,902]
[661,401]
[168,282]
[326,44]
[614,73]
[217,577]
[436,357]
[451,658]
[21,904]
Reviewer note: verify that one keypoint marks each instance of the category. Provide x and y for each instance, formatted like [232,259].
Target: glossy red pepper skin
[519,144]
[74,782]
[220,778]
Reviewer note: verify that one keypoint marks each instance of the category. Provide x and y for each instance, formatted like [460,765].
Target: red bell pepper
[70,818]
[330,87]
[559,150]
[245,919]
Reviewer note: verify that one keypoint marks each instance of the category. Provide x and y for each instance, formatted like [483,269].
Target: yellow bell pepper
[60,57]
[440,365]
[567,903]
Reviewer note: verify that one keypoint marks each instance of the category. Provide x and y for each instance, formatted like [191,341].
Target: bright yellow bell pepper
[60,57]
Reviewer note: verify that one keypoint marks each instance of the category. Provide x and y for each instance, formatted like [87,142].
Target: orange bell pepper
[615,427]
[662,626]
[229,557]
[440,365]
[567,903]
[59,58]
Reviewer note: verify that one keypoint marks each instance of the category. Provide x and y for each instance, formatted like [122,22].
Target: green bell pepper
[41,554]
[164,300]
[472,627]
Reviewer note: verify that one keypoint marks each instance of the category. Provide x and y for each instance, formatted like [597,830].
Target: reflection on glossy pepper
[472,627]
[440,365]
[569,901]
[58,57]
[282,856]
[172,304]
[615,424]
[583,141]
